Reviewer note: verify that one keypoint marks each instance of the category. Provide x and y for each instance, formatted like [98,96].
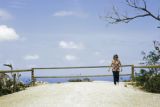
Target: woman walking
[116,64]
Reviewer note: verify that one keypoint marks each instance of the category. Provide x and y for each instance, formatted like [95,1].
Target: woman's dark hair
[115,56]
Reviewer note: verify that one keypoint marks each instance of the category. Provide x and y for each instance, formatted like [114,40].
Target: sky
[52,33]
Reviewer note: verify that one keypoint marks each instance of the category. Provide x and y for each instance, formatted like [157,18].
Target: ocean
[27,80]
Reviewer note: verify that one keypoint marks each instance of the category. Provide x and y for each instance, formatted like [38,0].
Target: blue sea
[27,80]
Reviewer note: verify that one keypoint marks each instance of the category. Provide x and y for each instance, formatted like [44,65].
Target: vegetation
[8,85]
[80,80]
[149,79]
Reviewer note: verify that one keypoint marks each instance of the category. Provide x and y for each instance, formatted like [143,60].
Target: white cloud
[7,33]
[31,57]
[4,15]
[70,13]
[70,57]
[70,45]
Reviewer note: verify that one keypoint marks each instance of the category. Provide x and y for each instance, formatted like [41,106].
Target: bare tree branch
[116,18]
[145,6]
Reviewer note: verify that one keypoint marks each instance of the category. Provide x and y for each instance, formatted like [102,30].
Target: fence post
[32,77]
[132,69]
[14,82]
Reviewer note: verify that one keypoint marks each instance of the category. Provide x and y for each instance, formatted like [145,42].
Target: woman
[116,64]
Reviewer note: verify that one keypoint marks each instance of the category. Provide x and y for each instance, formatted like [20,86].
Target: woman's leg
[117,76]
[114,77]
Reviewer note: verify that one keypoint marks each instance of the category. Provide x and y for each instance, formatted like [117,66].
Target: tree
[153,57]
[149,79]
[138,5]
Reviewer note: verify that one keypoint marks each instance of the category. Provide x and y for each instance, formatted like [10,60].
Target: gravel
[81,94]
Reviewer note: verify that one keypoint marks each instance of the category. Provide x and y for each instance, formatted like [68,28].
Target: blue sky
[48,33]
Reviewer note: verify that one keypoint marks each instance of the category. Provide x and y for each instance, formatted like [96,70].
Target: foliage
[86,80]
[153,57]
[142,77]
[5,89]
[7,86]
[80,80]
[153,84]
[149,79]
[75,80]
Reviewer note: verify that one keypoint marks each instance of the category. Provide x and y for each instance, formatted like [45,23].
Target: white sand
[81,94]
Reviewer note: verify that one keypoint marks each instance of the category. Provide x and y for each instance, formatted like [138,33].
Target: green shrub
[142,78]
[153,84]
[148,81]
[8,88]
[86,80]
[79,80]
[75,80]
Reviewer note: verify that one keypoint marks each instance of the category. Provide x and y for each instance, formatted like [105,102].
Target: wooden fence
[33,77]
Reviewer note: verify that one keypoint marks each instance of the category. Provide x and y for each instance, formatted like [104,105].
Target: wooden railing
[33,77]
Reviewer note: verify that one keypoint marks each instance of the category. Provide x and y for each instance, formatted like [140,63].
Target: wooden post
[32,77]
[14,82]
[132,69]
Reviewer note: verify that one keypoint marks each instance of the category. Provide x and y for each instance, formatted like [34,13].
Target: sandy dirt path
[82,94]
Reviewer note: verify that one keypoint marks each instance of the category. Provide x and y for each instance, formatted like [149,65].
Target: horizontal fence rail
[150,66]
[80,67]
[78,76]
[20,70]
